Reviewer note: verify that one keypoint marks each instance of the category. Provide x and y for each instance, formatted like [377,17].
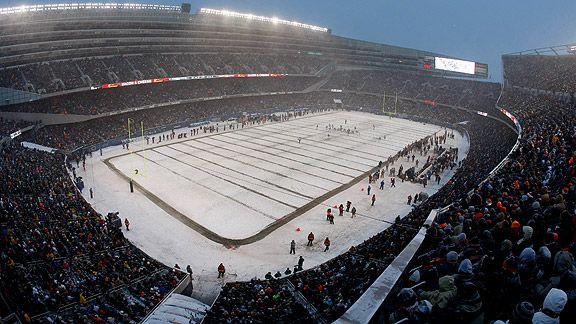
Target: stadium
[170,164]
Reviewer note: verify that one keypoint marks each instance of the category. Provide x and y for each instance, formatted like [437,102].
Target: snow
[178,309]
[236,183]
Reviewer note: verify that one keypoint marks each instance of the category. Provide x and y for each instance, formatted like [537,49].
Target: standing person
[382,184]
[370,179]
[392,183]
[425,182]
[369,188]
[292,247]
[127,223]
[348,204]
[353,212]
[310,239]
[189,270]
[328,213]
[300,263]
[331,218]
[373,199]
[326,244]
[341,210]
[221,270]
[409,199]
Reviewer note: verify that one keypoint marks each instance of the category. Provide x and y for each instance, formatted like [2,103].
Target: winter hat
[461,238]
[523,313]
[524,198]
[407,297]
[528,255]
[544,254]
[465,267]
[527,230]
[506,245]
[515,225]
[554,302]
[424,307]
[415,277]
[535,205]
[452,256]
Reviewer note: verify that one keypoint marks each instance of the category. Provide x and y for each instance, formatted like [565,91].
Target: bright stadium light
[78,6]
[274,20]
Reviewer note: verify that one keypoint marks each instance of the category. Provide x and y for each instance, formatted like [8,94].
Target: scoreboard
[455,66]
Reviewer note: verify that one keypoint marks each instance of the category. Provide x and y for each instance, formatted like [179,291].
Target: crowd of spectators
[57,253]
[8,126]
[543,72]
[270,301]
[72,73]
[332,287]
[506,252]
[462,93]
[117,99]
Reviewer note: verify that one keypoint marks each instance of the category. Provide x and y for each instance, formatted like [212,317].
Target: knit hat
[452,256]
[465,267]
[515,225]
[528,255]
[461,237]
[523,313]
[506,245]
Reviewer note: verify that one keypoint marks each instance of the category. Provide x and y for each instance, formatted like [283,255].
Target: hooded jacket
[553,305]
[443,296]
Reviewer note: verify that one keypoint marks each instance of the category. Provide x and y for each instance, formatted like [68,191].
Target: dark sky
[480,30]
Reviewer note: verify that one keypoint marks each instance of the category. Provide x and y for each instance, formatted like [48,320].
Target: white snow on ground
[237,182]
[178,309]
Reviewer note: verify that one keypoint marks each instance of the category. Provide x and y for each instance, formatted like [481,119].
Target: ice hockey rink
[238,182]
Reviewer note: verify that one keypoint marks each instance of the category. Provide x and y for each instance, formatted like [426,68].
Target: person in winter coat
[373,199]
[300,263]
[467,305]
[127,223]
[310,239]
[221,270]
[292,247]
[353,212]
[341,210]
[326,244]
[442,297]
[551,308]
[348,205]
[409,308]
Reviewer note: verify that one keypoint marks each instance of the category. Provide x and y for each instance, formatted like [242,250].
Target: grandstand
[137,137]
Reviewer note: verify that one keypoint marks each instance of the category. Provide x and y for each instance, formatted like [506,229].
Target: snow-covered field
[236,183]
